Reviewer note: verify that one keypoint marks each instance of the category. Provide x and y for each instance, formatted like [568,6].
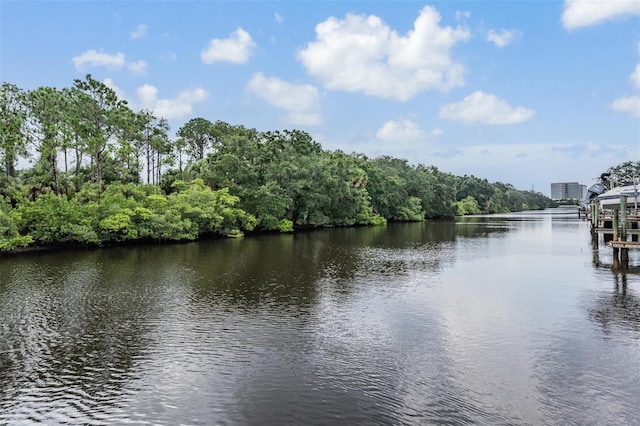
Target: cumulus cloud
[279,19]
[485,108]
[235,49]
[301,101]
[137,67]
[502,38]
[179,107]
[635,77]
[401,131]
[628,105]
[582,13]
[140,31]
[93,58]
[362,54]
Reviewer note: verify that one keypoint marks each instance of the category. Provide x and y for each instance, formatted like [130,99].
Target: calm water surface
[500,320]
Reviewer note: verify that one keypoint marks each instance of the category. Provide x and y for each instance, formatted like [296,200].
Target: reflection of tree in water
[284,270]
[618,308]
[347,358]
[483,226]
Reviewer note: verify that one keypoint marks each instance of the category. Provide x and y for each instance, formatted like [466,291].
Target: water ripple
[404,325]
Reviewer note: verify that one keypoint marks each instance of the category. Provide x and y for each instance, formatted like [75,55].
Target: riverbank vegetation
[101,173]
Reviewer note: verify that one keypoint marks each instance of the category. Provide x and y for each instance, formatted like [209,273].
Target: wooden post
[624,258]
[616,237]
[624,252]
[623,218]
[594,216]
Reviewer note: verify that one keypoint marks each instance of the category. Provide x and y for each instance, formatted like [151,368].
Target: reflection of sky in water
[498,320]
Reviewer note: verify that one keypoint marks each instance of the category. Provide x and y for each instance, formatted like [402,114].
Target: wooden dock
[616,226]
[625,244]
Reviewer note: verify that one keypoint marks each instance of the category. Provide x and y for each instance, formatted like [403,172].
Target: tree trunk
[159,169]
[54,172]
[9,163]
[148,152]
[78,165]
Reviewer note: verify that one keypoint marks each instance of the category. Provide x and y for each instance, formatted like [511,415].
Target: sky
[521,92]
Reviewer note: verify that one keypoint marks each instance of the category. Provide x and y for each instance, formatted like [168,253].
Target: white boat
[611,198]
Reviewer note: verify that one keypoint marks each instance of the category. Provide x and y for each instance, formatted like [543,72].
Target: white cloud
[362,54]
[279,19]
[628,105]
[401,131]
[299,100]
[501,38]
[485,108]
[635,77]
[462,15]
[436,133]
[98,59]
[169,56]
[137,67]
[235,49]
[139,32]
[92,58]
[582,13]
[179,107]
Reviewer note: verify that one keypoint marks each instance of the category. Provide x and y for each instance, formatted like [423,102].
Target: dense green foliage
[625,173]
[91,154]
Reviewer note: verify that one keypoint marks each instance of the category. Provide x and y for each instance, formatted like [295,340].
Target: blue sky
[524,92]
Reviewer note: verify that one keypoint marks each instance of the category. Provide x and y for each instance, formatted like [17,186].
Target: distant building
[568,191]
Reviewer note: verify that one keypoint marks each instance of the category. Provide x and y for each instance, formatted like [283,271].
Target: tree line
[102,173]
[626,173]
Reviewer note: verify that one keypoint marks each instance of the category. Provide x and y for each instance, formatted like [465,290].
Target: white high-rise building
[568,191]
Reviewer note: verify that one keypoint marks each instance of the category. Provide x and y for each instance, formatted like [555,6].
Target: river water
[499,320]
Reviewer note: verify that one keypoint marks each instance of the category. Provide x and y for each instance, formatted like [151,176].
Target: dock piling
[623,218]
[616,225]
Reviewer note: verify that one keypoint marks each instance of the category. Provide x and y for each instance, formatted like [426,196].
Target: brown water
[511,319]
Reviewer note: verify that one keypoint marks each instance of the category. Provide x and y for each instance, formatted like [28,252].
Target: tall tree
[162,149]
[77,130]
[179,146]
[13,135]
[153,141]
[48,108]
[198,136]
[102,116]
